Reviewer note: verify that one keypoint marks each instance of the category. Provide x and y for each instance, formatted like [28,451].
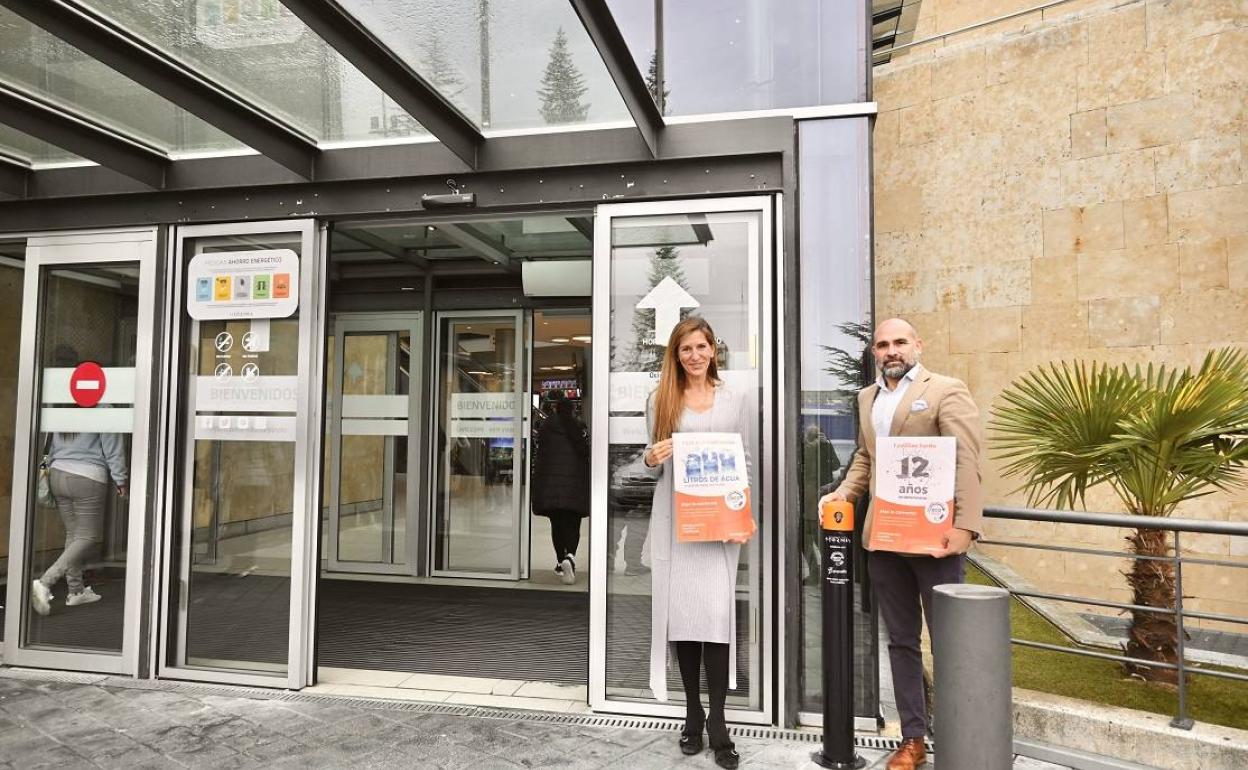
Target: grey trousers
[80,501]
[900,583]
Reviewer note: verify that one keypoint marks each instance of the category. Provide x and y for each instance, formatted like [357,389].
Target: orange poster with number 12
[914,483]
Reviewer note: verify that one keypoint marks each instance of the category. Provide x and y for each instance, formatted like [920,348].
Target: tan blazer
[950,412]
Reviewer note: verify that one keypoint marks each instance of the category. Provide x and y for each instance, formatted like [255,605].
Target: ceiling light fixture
[560,340]
[586,338]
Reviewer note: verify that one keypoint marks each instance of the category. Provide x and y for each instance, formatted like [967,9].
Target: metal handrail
[1124,521]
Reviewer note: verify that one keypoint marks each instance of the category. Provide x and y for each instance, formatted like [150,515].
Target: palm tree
[1156,437]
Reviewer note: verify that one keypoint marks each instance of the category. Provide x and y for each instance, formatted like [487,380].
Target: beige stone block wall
[1070,184]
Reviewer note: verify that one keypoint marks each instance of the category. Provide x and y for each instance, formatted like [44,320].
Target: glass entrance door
[374,465]
[244,454]
[654,264]
[81,462]
[478,459]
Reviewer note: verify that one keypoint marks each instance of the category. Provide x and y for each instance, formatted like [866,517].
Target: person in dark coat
[561,481]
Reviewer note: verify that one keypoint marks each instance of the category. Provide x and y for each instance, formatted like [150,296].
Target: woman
[79,468]
[693,595]
[561,482]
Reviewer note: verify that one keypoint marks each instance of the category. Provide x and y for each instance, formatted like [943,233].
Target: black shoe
[690,744]
[727,758]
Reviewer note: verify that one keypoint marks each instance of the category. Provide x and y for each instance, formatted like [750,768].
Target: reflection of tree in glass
[563,85]
[439,70]
[652,84]
[643,355]
[852,368]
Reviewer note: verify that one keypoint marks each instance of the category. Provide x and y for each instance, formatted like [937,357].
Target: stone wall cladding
[1070,184]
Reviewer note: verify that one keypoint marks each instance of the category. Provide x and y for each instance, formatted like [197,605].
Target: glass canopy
[47,67]
[262,52]
[505,64]
[28,149]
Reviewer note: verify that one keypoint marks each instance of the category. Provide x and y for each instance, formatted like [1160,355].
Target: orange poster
[914,482]
[712,488]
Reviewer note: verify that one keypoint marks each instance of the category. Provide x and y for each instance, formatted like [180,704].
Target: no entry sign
[86,384]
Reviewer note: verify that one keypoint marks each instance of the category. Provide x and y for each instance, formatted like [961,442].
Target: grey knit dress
[693,588]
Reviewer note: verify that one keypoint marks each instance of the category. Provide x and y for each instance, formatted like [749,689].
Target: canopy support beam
[602,29]
[392,75]
[138,60]
[60,129]
[14,177]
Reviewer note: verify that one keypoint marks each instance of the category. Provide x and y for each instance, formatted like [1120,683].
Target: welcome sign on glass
[712,487]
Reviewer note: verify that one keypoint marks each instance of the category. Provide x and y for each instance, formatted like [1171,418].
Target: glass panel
[11,281]
[505,65]
[77,543]
[560,385]
[239,501]
[48,67]
[708,265]
[476,526]
[834,356]
[761,54]
[373,483]
[31,150]
[267,55]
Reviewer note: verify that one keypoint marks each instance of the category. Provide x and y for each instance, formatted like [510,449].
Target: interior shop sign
[243,284]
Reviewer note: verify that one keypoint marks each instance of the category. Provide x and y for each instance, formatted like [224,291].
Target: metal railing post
[974,703]
[1182,720]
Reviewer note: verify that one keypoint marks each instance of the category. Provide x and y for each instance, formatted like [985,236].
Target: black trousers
[565,533]
[903,589]
[690,656]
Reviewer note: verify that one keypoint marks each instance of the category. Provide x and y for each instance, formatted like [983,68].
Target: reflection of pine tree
[644,355]
[440,71]
[853,368]
[652,84]
[563,85]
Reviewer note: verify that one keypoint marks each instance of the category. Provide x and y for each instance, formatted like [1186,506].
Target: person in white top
[80,466]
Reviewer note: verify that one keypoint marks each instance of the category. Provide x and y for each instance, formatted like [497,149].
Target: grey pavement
[115,724]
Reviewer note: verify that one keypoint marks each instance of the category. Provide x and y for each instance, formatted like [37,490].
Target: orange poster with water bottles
[712,488]
[914,483]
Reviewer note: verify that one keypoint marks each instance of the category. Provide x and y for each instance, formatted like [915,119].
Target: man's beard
[895,370]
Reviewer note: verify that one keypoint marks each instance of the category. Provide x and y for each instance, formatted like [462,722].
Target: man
[908,400]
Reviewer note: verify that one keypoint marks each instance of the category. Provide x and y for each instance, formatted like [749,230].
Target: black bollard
[837,532]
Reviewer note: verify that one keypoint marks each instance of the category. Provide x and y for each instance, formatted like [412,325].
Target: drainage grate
[882,744]
[480,712]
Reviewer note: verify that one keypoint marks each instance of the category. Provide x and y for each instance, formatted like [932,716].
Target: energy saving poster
[712,488]
[914,483]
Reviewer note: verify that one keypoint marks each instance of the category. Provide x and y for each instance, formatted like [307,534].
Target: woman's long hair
[669,398]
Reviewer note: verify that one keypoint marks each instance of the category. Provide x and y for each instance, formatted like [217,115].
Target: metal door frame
[378,323]
[305,514]
[767,269]
[91,247]
[518,458]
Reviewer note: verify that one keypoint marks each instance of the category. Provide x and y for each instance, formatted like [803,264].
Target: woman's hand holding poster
[712,486]
[914,483]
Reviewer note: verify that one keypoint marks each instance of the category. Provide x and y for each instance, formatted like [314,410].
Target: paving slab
[115,725]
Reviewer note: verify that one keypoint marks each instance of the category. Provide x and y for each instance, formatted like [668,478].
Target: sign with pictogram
[86,384]
[240,285]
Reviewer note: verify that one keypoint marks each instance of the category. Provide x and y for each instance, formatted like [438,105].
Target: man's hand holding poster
[712,488]
[914,483]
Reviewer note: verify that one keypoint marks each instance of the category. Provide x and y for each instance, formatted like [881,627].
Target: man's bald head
[897,348]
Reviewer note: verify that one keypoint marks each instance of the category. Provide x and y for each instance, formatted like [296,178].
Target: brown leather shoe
[910,755]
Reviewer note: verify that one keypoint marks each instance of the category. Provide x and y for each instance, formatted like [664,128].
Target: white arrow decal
[666,299]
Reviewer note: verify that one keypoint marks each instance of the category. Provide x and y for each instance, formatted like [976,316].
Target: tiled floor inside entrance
[460,690]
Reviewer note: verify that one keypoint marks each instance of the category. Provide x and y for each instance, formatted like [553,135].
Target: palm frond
[1157,436]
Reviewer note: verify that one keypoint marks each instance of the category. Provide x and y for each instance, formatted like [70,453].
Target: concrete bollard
[974,712]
